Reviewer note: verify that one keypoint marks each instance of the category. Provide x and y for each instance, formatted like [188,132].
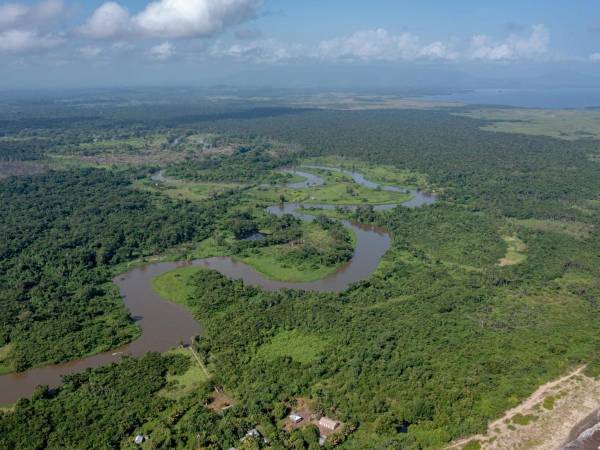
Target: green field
[383,174]
[557,123]
[5,363]
[175,285]
[274,262]
[179,386]
[574,229]
[180,190]
[515,251]
[299,346]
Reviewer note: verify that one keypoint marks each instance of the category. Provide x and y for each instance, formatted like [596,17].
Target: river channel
[164,324]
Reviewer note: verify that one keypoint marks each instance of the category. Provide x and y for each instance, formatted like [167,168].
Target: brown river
[164,324]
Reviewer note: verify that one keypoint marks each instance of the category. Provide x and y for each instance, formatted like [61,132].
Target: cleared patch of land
[174,285]
[284,263]
[545,419]
[515,251]
[5,362]
[387,175]
[295,344]
[179,386]
[578,230]
[339,189]
[220,401]
[562,124]
[186,190]
[351,101]
[20,168]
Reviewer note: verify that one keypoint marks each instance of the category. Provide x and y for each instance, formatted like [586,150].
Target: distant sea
[525,98]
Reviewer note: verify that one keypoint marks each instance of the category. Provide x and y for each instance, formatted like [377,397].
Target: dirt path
[545,419]
[200,363]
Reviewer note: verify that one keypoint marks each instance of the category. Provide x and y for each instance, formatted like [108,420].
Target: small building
[139,439]
[328,423]
[254,434]
[295,418]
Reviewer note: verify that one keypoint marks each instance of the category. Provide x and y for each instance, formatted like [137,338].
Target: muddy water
[309,179]
[585,435]
[418,198]
[165,324]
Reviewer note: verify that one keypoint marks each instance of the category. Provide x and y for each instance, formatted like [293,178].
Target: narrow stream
[164,324]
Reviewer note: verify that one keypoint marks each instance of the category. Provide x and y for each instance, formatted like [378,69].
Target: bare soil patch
[19,168]
[543,421]
[309,417]
[220,401]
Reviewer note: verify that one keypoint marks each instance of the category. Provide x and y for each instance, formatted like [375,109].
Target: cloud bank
[23,27]
[169,19]
[28,27]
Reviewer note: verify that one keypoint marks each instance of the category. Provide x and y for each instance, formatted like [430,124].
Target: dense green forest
[247,164]
[440,340]
[63,232]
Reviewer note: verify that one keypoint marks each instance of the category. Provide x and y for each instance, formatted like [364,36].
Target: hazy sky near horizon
[70,43]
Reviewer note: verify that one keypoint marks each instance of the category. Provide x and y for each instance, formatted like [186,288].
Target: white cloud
[595,57]
[20,15]
[261,51]
[381,45]
[11,14]
[193,18]
[109,21]
[90,52]
[169,18]
[162,52]
[16,41]
[512,48]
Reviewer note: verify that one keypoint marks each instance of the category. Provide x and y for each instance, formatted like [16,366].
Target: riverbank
[545,420]
[165,324]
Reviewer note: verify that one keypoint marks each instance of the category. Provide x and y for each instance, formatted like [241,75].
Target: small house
[139,439]
[295,418]
[329,424]
[254,434]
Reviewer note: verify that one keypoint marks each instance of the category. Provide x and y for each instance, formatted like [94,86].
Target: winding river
[164,324]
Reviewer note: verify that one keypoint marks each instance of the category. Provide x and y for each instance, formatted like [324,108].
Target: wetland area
[165,324]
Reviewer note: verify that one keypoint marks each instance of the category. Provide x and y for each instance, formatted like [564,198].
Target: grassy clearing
[185,190]
[577,230]
[174,285]
[549,402]
[268,263]
[299,346]
[561,124]
[7,408]
[387,175]
[182,385]
[523,420]
[6,365]
[274,262]
[337,190]
[515,251]
[472,445]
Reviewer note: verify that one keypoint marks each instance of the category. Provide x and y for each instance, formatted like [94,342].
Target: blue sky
[69,43]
